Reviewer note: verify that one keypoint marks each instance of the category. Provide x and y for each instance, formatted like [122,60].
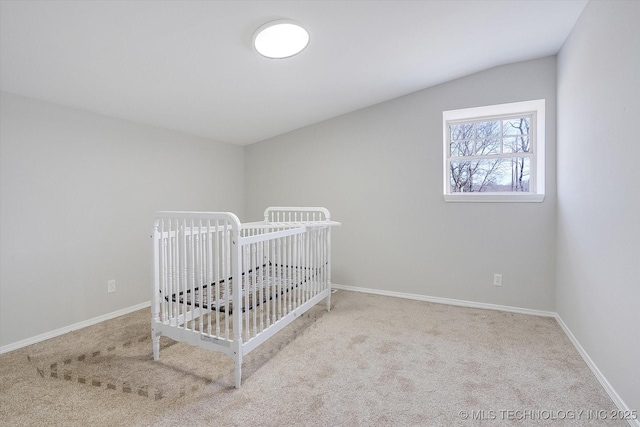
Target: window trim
[537,182]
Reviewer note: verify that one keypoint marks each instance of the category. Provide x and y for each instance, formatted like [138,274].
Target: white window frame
[536,109]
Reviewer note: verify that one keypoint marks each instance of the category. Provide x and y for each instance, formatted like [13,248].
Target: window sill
[493,198]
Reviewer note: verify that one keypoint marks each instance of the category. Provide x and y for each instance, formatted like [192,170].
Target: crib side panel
[283,277]
[227,286]
[307,216]
[193,269]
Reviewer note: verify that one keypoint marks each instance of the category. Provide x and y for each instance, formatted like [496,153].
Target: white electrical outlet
[497,279]
[111,286]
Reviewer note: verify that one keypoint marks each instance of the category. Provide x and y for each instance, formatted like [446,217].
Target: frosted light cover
[280,39]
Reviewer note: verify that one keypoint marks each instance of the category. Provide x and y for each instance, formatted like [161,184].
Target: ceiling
[190,66]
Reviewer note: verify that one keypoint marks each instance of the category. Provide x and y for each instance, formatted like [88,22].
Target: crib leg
[238,371]
[329,301]
[156,346]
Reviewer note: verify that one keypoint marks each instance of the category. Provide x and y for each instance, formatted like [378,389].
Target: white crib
[227,286]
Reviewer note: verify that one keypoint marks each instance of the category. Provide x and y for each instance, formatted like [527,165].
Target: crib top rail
[167,224]
[298,215]
[255,238]
[229,217]
[279,222]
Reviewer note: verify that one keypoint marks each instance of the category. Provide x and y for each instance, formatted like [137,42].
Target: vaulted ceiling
[190,65]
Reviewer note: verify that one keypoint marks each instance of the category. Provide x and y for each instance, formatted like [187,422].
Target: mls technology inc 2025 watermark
[543,414]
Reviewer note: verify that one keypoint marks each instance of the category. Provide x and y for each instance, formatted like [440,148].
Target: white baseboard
[463,303]
[605,384]
[38,338]
[448,301]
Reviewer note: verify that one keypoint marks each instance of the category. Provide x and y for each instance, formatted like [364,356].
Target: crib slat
[254,288]
[307,263]
[285,277]
[208,276]
[267,261]
[323,240]
[296,271]
[216,274]
[171,239]
[175,285]
[272,279]
[316,267]
[312,266]
[289,283]
[163,268]
[226,249]
[183,268]
[166,296]
[196,302]
[170,269]
[262,284]
[192,271]
[279,279]
[246,285]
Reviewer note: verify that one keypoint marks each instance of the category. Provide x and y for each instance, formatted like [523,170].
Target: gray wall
[78,195]
[78,192]
[598,243]
[379,171]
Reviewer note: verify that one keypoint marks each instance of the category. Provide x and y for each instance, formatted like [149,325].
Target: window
[494,153]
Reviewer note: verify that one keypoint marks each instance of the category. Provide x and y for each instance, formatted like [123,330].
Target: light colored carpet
[371,361]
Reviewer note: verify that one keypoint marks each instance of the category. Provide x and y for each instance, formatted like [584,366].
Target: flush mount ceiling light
[280,39]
